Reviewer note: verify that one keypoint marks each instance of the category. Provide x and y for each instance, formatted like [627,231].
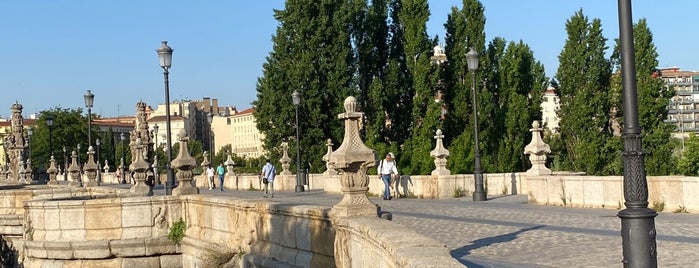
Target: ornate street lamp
[155,135]
[49,124]
[122,137]
[637,220]
[479,194]
[296,98]
[89,100]
[165,57]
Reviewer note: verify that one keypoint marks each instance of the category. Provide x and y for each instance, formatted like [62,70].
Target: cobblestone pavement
[507,232]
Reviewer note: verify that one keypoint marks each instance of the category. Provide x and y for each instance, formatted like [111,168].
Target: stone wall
[114,232]
[578,190]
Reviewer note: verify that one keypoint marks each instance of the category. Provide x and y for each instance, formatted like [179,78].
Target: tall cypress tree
[311,54]
[521,88]
[465,29]
[653,99]
[584,78]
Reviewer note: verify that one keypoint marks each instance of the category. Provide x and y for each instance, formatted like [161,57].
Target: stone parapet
[373,242]
[579,190]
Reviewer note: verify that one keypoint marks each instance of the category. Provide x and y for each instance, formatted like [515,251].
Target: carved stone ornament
[537,151]
[440,155]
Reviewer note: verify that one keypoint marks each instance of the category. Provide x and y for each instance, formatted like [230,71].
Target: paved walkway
[507,232]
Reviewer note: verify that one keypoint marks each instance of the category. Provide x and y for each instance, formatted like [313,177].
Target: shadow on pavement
[459,253]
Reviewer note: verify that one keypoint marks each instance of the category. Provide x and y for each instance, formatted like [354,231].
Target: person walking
[268,173]
[221,172]
[210,176]
[386,168]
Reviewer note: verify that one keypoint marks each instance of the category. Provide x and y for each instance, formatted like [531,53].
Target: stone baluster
[30,172]
[3,172]
[52,172]
[440,155]
[328,169]
[140,167]
[184,164]
[156,171]
[74,171]
[353,158]
[285,160]
[537,151]
[229,166]
[91,168]
[204,165]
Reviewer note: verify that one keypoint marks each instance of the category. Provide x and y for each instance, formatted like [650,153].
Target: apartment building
[682,110]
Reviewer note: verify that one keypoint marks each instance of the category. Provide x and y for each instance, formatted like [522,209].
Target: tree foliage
[584,78]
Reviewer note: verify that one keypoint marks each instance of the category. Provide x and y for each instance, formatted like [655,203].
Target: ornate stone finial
[353,158]
[285,160]
[229,166]
[29,172]
[91,168]
[106,166]
[440,155]
[205,163]
[52,172]
[22,173]
[184,164]
[140,167]
[328,169]
[74,171]
[537,151]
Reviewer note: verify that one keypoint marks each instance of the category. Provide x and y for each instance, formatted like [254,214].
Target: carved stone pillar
[353,158]
[537,151]
[328,169]
[140,167]
[74,171]
[52,172]
[285,160]
[184,164]
[440,155]
[90,168]
[229,166]
[106,166]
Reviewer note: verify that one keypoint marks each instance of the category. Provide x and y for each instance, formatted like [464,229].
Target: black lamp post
[637,220]
[30,132]
[99,172]
[89,100]
[49,124]
[296,98]
[155,155]
[122,137]
[479,194]
[165,57]
[65,164]
[210,119]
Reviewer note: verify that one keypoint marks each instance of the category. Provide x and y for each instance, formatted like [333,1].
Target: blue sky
[51,52]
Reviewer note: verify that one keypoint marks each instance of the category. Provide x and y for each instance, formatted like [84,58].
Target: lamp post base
[479,196]
[299,188]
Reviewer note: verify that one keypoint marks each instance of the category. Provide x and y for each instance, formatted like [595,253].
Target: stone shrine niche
[141,132]
[15,142]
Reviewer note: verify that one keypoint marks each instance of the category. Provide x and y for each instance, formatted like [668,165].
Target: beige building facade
[682,110]
[239,129]
[549,110]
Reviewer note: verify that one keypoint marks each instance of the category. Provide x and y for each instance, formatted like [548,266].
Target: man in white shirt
[385,169]
[210,176]
[268,173]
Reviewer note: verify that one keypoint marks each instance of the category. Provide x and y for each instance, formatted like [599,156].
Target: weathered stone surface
[140,262]
[167,261]
[128,247]
[160,245]
[90,249]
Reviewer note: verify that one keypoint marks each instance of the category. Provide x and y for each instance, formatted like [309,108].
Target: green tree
[465,29]
[584,77]
[653,99]
[69,128]
[689,163]
[522,83]
[312,54]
